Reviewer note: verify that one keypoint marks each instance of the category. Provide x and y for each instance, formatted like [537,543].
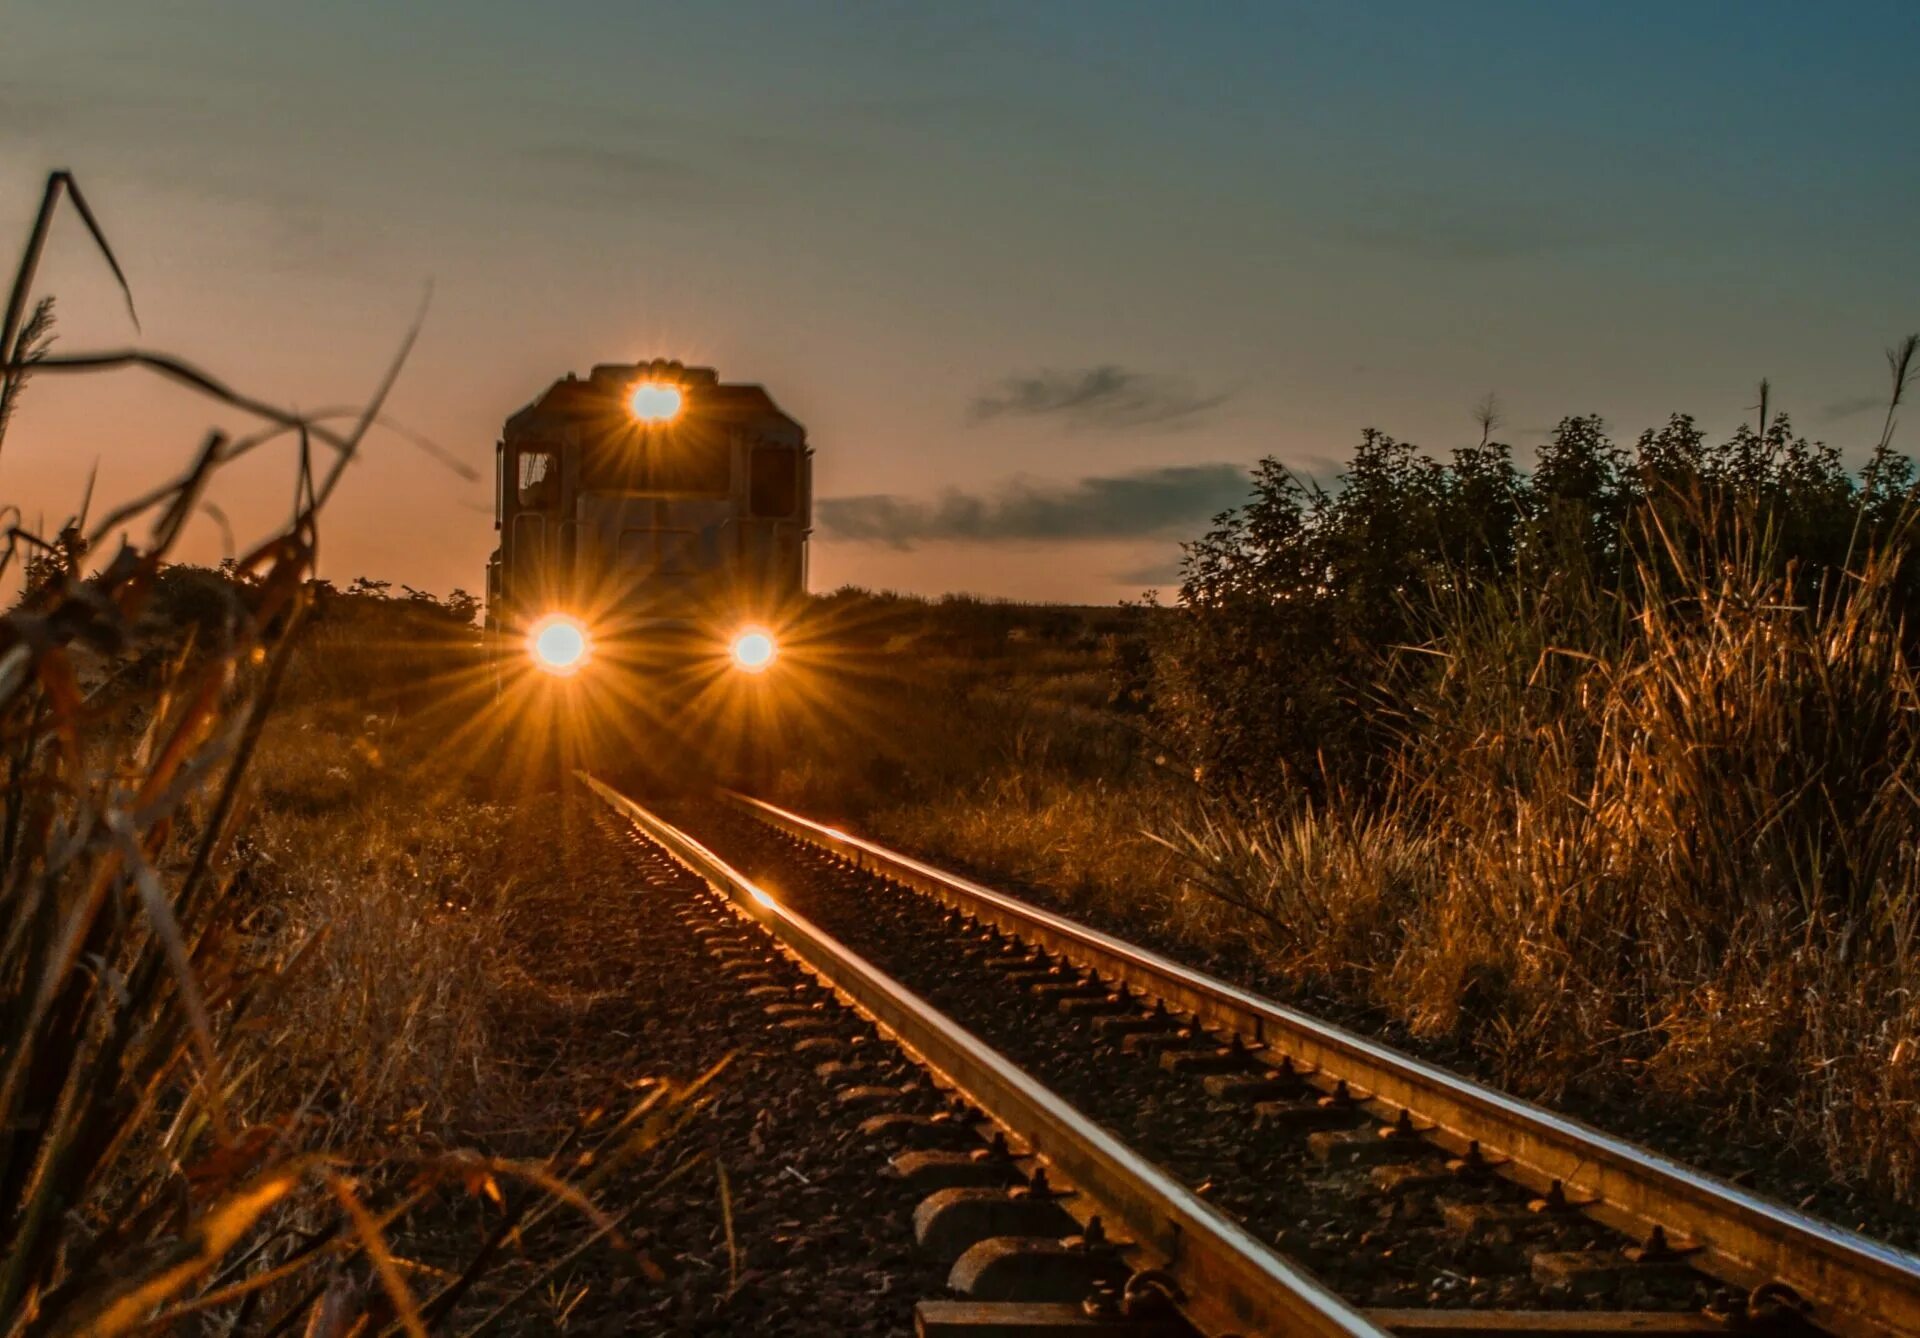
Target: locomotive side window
[540,479]
[773,481]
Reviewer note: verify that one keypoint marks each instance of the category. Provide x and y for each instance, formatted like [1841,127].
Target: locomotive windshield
[685,460]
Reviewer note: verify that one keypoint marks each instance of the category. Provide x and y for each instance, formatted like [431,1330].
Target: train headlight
[559,644]
[753,650]
[654,401]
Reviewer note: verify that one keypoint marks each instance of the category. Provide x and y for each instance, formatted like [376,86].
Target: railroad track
[1593,1216]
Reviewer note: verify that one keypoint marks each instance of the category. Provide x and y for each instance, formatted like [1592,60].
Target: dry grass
[1657,844]
[402,887]
[986,733]
[1690,848]
[245,982]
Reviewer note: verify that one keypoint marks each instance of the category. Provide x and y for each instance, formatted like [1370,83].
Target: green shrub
[1289,666]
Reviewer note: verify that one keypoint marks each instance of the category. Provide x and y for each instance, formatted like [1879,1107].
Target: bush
[1305,616]
[1609,773]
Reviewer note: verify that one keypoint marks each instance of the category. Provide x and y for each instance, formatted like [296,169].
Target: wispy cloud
[90,110]
[1107,396]
[619,175]
[1852,408]
[638,166]
[1441,226]
[1173,500]
[23,114]
[673,163]
[1153,575]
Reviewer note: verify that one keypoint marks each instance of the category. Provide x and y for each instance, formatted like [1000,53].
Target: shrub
[1609,773]
[1288,666]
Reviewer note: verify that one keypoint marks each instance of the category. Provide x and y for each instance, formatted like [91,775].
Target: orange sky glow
[1037,291]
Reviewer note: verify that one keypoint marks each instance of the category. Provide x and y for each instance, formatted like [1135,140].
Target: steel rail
[1231,1283]
[1851,1285]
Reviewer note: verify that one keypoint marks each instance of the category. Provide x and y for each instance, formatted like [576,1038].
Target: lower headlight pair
[753,650]
[560,645]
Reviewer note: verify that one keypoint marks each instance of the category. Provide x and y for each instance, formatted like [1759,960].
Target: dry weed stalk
[134,1192]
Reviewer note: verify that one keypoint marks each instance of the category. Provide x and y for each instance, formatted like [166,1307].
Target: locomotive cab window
[539,479]
[773,481]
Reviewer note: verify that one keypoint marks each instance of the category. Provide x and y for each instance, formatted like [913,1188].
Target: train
[653,524]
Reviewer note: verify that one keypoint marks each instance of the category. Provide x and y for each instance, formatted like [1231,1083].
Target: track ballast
[1341,1186]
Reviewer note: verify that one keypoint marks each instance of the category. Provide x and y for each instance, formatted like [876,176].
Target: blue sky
[1038,278]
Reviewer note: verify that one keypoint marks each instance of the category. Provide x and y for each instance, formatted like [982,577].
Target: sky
[1041,280]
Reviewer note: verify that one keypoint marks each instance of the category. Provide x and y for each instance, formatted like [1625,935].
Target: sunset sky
[1040,280]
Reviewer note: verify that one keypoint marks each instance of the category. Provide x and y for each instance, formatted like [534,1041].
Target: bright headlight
[753,650]
[558,644]
[654,401]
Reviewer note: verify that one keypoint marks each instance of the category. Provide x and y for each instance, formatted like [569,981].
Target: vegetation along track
[1433,1203]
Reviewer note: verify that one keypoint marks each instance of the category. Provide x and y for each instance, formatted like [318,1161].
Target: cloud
[1098,397]
[1153,575]
[672,163]
[1852,408]
[620,175]
[25,114]
[1173,500]
[90,110]
[1436,226]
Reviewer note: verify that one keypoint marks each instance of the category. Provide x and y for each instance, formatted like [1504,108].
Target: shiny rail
[1844,1282]
[1232,1284]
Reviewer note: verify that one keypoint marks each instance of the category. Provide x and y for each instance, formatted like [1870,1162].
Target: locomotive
[653,528]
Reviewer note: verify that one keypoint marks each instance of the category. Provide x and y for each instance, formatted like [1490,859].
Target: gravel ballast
[1376,1248]
[629,975]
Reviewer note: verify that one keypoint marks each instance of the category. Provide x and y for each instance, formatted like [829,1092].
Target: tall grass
[1659,837]
[119,988]
[221,1024]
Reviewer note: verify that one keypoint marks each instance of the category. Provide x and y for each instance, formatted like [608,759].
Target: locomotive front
[653,525]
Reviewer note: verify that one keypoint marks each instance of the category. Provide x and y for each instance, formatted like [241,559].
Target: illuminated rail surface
[1227,1281]
[1799,1271]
